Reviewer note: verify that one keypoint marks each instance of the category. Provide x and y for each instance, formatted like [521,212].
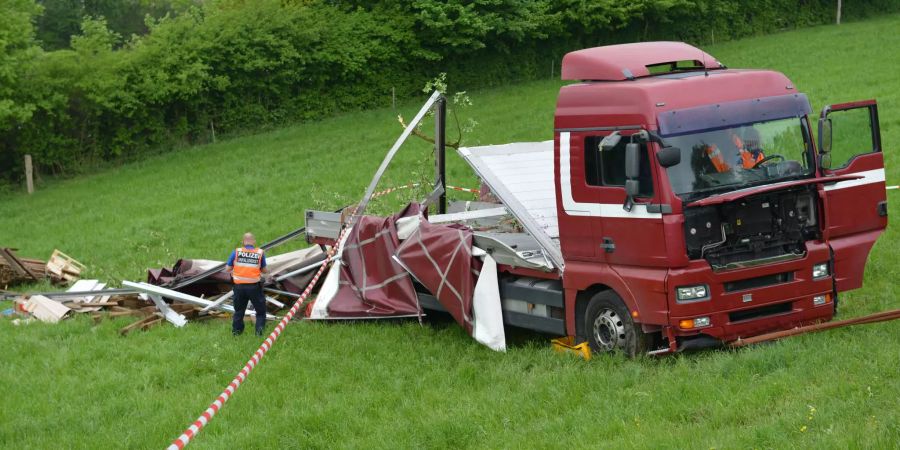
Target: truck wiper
[712,190]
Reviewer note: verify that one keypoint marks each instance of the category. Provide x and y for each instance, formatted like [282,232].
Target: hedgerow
[235,65]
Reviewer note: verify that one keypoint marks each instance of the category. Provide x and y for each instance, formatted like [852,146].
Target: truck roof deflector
[629,61]
[741,193]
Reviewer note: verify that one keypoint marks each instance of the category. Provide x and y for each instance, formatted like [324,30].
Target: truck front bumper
[752,301]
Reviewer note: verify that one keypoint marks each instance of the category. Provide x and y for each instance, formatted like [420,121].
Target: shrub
[231,65]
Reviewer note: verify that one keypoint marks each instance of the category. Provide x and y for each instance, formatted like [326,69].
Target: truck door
[635,237]
[855,210]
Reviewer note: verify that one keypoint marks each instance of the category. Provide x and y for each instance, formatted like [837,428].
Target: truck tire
[610,328]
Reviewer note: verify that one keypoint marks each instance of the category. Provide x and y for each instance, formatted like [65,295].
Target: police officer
[247,264]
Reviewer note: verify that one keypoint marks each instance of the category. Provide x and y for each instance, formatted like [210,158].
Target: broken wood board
[46,310]
[142,324]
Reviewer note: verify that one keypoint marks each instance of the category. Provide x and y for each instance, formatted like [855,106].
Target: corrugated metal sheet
[521,176]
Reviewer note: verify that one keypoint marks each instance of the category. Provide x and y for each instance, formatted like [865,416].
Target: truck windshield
[737,157]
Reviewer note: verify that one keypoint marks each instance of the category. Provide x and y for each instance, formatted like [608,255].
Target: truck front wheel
[610,328]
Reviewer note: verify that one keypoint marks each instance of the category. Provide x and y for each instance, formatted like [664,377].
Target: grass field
[398,385]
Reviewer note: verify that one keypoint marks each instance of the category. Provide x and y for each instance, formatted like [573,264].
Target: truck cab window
[740,156]
[851,135]
[607,168]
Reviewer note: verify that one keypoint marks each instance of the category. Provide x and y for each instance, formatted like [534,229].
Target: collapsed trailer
[680,204]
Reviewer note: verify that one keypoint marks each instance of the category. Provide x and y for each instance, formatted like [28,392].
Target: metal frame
[361,208]
[440,150]
[182,297]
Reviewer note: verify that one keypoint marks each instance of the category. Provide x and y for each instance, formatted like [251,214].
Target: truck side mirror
[609,141]
[632,172]
[632,161]
[668,157]
[824,135]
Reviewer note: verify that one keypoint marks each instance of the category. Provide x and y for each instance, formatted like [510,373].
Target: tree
[17,49]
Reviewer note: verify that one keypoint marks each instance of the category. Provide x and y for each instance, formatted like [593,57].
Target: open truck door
[856,209]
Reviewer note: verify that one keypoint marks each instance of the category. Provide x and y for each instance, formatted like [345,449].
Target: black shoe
[260,332]
[236,333]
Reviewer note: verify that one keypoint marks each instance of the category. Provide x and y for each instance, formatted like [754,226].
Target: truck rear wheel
[610,328]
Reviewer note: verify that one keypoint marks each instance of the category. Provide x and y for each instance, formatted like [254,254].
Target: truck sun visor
[724,115]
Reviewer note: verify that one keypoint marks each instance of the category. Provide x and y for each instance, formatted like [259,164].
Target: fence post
[29,176]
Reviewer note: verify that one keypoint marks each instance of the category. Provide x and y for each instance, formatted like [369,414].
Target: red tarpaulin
[440,257]
[372,284]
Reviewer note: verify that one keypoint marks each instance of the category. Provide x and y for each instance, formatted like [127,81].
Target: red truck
[680,204]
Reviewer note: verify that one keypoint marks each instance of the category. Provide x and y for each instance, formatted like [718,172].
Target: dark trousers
[254,294]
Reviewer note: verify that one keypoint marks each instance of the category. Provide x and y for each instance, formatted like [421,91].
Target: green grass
[390,385]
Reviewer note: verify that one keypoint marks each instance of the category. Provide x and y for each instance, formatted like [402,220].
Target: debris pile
[192,290]
[61,269]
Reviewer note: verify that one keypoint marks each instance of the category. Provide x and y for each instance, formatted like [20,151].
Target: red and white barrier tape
[207,415]
[412,185]
[462,189]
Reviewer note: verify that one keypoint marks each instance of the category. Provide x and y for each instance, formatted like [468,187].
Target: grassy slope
[390,385]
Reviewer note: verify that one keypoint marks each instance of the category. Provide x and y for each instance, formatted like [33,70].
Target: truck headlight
[699,322]
[687,294]
[820,270]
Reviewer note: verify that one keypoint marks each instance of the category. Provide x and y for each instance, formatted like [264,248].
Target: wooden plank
[126,313]
[13,261]
[139,324]
[75,303]
[46,310]
[152,323]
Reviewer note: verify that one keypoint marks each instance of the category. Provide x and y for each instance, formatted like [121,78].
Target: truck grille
[762,311]
[758,282]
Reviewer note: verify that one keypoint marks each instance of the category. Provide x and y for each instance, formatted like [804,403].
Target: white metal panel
[521,176]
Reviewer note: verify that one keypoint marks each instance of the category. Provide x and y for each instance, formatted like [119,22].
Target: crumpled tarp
[372,279]
[185,268]
[371,284]
[443,259]
[440,257]
[220,282]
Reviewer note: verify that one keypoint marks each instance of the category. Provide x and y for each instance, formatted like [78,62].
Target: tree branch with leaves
[459,100]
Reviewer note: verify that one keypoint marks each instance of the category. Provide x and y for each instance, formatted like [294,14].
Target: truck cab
[693,204]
